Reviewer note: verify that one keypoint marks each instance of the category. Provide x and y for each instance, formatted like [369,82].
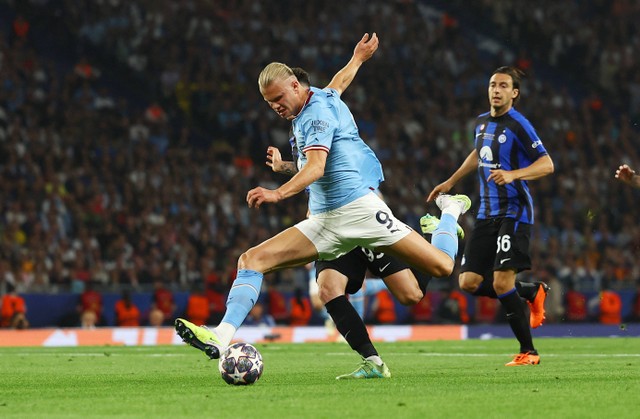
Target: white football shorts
[366,222]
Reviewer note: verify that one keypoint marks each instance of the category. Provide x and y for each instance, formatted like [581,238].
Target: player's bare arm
[543,166]
[628,175]
[312,171]
[469,165]
[275,162]
[361,53]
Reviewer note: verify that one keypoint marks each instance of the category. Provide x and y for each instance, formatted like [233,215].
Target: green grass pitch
[577,378]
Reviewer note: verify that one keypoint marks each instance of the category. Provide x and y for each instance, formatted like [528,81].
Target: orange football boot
[526,358]
[536,307]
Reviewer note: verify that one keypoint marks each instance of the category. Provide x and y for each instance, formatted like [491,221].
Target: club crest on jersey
[502,138]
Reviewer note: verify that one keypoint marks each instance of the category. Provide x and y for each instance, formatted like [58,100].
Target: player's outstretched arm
[628,175]
[312,171]
[469,165]
[361,53]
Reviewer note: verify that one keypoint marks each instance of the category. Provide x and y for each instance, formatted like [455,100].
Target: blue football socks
[445,237]
[242,297]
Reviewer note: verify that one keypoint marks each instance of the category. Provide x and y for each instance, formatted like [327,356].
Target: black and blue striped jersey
[507,142]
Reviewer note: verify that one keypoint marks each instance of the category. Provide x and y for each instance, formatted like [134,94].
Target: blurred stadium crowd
[130,131]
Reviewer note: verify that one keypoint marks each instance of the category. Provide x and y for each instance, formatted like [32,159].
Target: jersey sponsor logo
[488,136]
[489,165]
[486,154]
[535,144]
[319,125]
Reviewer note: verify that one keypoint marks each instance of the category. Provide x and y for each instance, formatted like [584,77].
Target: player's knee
[410,298]
[443,268]
[244,260]
[467,284]
[327,292]
[250,260]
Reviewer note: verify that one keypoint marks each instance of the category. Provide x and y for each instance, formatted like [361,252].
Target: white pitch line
[108,354]
[460,355]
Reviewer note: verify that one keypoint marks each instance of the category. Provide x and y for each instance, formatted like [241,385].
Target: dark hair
[301,75]
[516,76]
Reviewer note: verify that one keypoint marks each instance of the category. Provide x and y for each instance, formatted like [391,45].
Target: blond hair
[273,72]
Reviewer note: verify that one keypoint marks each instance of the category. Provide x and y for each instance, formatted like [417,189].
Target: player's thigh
[512,245]
[396,275]
[404,287]
[414,250]
[286,249]
[480,249]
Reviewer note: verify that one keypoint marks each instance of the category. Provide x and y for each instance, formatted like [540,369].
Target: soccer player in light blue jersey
[341,172]
[334,279]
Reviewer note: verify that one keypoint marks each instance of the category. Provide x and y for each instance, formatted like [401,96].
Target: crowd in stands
[130,132]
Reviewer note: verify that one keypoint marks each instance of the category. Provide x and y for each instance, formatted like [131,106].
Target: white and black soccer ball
[240,364]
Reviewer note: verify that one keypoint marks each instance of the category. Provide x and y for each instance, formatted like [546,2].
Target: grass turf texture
[577,378]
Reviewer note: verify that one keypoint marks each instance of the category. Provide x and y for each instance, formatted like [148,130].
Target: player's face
[501,93]
[283,97]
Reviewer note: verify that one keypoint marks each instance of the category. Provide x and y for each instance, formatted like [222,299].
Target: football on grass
[240,364]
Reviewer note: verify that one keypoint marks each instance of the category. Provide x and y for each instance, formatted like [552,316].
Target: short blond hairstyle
[273,72]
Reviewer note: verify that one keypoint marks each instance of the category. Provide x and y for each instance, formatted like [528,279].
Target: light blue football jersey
[352,169]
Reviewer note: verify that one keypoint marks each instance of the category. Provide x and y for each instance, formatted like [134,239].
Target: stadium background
[130,132]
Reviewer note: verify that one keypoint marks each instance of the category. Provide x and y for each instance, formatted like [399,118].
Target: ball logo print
[241,364]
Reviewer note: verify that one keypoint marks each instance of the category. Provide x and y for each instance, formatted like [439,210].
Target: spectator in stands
[486,310]
[90,307]
[300,310]
[277,305]
[423,311]
[197,306]
[258,317]
[454,307]
[156,318]
[216,297]
[85,71]
[610,307]
[384,308]
[555,301]
[127,313]
[576,303]
[635,308]
[13,309]
[162,301]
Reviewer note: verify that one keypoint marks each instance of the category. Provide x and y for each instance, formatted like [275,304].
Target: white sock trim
[225,332]
[453,210]
[375,359]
